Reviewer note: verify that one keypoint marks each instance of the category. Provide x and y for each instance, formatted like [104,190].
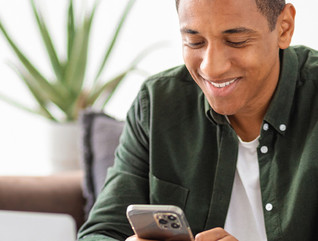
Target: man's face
[230,52]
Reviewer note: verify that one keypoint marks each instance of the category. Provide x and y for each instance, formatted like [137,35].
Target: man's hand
[135,238]
[214,235]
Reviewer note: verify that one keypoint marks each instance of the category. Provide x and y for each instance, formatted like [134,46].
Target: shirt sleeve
[127,181]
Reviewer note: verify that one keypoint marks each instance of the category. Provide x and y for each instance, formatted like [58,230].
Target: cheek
[250,62]
[262,57]
[191,62]
[261,63]
[191,58]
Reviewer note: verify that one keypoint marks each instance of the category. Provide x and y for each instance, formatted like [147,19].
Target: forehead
[220,14]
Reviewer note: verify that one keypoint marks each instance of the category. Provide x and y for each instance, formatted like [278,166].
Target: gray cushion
[99,138]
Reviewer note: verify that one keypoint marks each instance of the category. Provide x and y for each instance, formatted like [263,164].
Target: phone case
[159,222]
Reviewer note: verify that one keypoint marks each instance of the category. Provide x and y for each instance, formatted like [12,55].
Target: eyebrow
[228,31]
[188,31]
[239,30]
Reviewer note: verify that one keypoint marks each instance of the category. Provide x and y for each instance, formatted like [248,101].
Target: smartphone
[159,222]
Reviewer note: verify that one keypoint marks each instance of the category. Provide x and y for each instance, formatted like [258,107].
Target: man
[231,138]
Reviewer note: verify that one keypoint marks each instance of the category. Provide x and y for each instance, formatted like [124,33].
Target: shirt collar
[279,109]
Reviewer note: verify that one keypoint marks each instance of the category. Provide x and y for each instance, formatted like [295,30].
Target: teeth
[221,85]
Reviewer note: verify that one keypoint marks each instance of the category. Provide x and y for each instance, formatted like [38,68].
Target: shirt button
[282,127]
[269,207]
[264,149]
[265,127]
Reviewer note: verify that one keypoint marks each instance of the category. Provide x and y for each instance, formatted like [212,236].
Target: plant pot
[63,139]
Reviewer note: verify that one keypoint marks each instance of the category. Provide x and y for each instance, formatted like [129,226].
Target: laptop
[33,226]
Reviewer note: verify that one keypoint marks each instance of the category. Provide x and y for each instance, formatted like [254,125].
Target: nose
[215,62]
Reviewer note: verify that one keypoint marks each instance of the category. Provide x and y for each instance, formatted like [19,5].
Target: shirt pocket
[163,192]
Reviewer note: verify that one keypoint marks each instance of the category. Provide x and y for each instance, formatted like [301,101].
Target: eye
[239,44]
[195,45]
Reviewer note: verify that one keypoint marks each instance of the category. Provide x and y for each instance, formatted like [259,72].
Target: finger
[214,235]
[228,238]
[131,238]
[136,238]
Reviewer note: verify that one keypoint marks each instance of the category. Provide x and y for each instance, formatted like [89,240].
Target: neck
[247,126]
[246,129]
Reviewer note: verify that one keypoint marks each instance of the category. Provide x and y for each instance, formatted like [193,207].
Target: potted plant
[62,98]
[68,91]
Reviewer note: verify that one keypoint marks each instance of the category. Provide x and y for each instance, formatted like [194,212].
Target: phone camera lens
[175,225]
[163,221]
[171,217]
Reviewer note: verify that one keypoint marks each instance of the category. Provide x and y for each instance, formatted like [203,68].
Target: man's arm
[127,181]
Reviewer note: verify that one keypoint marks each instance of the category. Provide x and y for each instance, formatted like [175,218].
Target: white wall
[306,23]
[23,137]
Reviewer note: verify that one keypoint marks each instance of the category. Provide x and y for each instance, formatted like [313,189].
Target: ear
[286,26]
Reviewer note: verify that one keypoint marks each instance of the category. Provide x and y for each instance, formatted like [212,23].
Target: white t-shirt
[245,217]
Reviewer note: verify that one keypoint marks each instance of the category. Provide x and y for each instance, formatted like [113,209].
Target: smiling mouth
[224,84]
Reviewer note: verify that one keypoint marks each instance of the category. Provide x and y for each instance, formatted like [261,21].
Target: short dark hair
[269,8]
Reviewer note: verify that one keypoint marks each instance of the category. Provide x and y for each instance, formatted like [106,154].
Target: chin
[222,110]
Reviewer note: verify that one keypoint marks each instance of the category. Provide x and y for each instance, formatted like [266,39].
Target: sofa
[59,193]
[69,192]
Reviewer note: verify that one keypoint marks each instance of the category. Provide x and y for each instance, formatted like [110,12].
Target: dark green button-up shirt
[176,150]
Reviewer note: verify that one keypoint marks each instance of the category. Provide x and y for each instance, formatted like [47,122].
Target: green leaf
[47,40]
[70,29]
[35,91]
[112,89]
[76,66]
[109,87]
[17,104]
[54,95]
[114,38]
[43,111]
